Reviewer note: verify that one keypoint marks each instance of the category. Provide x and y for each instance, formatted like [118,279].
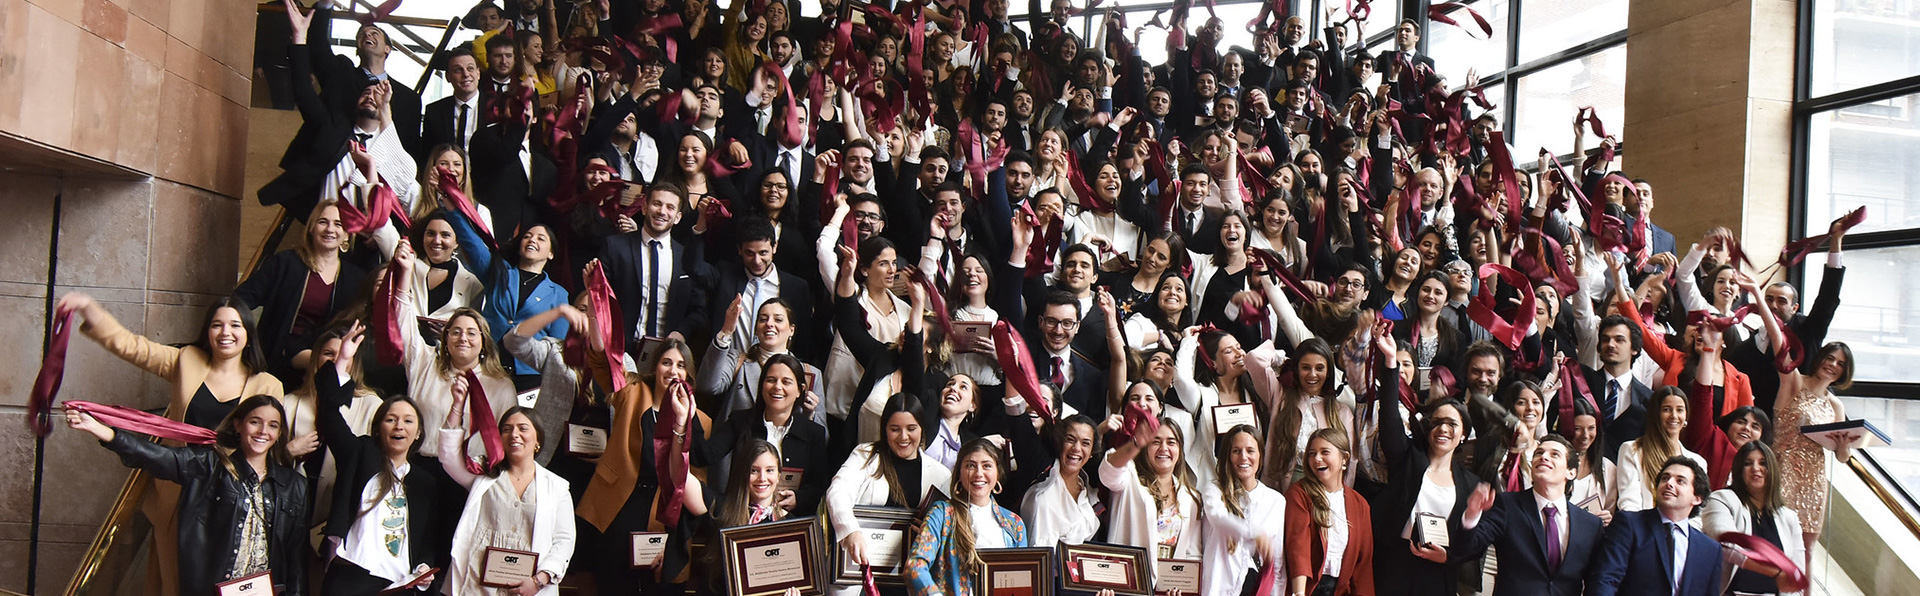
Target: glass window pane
[1857,43]
[1550,26]
[1862,155]
[1385,16]
[1548,99]
[1879,314]
[1455,51]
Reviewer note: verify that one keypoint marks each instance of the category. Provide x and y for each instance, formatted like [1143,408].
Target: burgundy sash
[129,419]
[53,366]
[1017,365]
[481,415]
[667,503]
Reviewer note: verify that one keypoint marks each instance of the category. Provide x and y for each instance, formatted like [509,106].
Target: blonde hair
[489,364]
[309,254]
[1317,494]
[430,199]
[1655,448]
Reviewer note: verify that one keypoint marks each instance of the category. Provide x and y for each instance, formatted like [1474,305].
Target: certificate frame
[870,519]
[1234,412]
[1035,564]
[486,565]
[1078,560]
[752,550]
[1427,525]
[1180,574]
[251,585]
[790,479]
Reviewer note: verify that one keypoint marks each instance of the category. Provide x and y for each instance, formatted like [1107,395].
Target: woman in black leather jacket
[242,504]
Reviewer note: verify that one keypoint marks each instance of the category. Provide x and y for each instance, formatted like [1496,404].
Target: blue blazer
[500,303]
[1636,559]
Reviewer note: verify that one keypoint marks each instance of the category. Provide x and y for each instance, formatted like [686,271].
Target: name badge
[586,440]
[1227,417]
[258,584]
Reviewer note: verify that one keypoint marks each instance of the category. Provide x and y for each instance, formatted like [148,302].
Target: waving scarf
[53,366]
[1438,13]
[935,302]
[667,503]
[382,206]
[1482,309]
[383,315]
[129,419]
[481,415]
[603,307]
[450,189]
[1796,251]
[1017,365]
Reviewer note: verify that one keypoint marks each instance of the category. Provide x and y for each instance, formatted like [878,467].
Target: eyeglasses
[866,216]
[1063,324]
[1351,284]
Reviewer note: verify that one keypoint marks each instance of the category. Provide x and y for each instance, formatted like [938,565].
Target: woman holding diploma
[243,504]
[1156,504]
[390,520]
[1329,528]
[1244,518]
[890,472]
[517,505]
[945,556]
[1425,481]
[1060,508]
[1806,400]
[621,497]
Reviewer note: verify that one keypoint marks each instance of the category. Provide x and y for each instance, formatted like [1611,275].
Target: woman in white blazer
[516,505]
[1245,520]
[890,472]
[1752,505]
[1151,482]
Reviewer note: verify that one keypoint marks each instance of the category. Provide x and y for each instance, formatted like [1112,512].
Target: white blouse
[1635,489]
[1230,538]
[1055,515]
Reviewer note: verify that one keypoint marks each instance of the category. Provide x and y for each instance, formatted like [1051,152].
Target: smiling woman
[299,290]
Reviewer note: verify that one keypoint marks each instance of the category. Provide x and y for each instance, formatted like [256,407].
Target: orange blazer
[1306,544]
[619,467]
[1739,390]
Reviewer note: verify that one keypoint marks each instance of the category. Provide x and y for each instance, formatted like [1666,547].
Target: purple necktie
[1059,373]
[1553,537]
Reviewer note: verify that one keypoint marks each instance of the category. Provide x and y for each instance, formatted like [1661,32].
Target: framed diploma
[1430,529]
[790,479]
[766,559]
[504,568]
[1177,574]
[648,549]
[1592,504]
[889,533]
[586,440]
[1016,571]
[418,582]
[1849,434]
[1227,417]
[258,584]
[1092,567]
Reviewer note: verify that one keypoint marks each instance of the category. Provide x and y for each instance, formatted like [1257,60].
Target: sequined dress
[1803,463]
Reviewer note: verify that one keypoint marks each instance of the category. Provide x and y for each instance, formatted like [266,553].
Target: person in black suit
[1411,461]
[1195,222]
[341,81]
[1546,545]
[326,130]
[511,177]
[1656,552]
[1077,381]
[1406,45]
[997,21]
[452,119]
[1755,356]
[1621,397]
[656,277]
[755,282]
[804,446]
[1659,240]
[424,495]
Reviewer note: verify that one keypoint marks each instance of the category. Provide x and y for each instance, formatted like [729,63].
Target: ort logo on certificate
[649,548]
[586,440]
[779,564]
[258,584]
[1227,417]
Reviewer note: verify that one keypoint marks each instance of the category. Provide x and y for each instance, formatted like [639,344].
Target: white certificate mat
[1177,574]
[504,568]
[1227,417]
[648,548]
[886,548]
[1109,572]
[586,440]
[258,584]
[1431,529]
[774,564]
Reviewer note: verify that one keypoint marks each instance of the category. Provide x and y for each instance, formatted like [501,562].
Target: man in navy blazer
[1546,543]
[1656,552]
[655,298]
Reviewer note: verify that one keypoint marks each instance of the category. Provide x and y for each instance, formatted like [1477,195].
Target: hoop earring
[996,488]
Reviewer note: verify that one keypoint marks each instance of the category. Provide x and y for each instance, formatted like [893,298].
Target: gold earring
[996,488]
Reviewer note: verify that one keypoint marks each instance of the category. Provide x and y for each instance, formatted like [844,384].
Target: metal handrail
[125,507]
[1874,476]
